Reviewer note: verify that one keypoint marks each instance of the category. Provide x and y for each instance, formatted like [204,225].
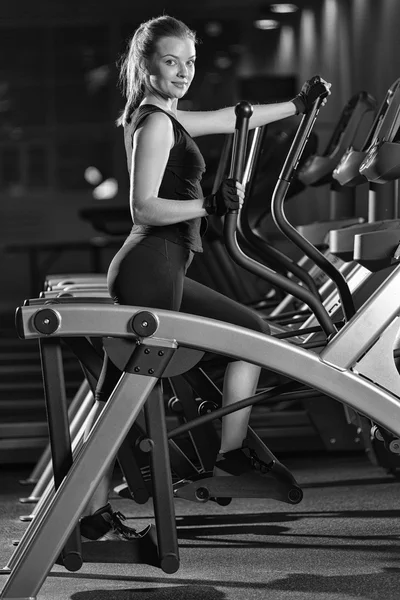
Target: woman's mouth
[179,84]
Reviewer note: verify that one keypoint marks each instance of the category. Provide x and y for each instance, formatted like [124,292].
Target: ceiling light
[266,24]
[283,8]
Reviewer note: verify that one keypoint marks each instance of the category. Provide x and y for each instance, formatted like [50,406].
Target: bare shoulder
[156,123]
[155,134]
[152,141]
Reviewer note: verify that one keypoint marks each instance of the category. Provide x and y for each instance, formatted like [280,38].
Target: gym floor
[341,542]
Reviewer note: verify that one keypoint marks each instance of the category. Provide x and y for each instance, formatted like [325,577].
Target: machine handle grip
[301,138]
[243,112]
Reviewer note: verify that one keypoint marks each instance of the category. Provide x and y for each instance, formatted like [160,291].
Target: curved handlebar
[243,112]
[300,140]
[283,224]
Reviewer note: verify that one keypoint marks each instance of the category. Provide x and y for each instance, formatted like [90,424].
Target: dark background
[59,99]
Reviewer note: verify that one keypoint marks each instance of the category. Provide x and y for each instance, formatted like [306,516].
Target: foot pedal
[222,501]
[142,550]
[28,481]
[26,518]
[29,500]
[207,486]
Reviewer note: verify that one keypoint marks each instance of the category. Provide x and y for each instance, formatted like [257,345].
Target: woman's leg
[107,381]
[240,382]
[142,274]
[241,378]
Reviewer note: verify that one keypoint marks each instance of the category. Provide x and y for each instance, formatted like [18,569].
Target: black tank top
[181,180]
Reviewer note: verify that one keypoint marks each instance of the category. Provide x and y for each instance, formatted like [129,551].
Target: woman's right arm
[151,147]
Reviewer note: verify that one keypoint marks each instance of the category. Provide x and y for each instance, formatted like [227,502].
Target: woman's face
[171,68]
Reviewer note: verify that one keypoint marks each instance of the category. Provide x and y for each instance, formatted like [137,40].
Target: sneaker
[239,462]
[105,524]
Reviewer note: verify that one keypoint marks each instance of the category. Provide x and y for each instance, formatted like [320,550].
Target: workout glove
[224,199]
[311,90]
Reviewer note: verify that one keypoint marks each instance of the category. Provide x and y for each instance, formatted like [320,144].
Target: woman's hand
[312,89]
[240,190]
[229,196]
[328,87]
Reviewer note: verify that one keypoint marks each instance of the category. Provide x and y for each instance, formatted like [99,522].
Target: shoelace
[117,517]
[258,464]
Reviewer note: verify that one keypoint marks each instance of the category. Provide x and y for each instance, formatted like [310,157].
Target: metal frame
[334,373]
[237,342]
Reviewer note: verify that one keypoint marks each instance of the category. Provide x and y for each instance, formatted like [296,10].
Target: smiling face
[171,69]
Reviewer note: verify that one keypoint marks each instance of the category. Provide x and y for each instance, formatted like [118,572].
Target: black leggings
[150,271]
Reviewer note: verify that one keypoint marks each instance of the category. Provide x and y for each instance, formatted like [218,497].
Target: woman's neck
[167,104]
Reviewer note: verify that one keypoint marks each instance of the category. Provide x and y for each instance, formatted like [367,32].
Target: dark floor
[342,542]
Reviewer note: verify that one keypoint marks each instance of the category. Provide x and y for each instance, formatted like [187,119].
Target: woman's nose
[183,70]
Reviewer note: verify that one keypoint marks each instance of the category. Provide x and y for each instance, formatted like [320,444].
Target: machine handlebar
[243,112]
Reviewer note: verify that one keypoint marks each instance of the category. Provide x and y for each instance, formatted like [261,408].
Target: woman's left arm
[223,120]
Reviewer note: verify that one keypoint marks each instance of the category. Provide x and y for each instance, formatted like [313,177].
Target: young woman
[167,207]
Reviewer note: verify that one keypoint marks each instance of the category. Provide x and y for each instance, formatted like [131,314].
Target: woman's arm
[151,146]
[223,121]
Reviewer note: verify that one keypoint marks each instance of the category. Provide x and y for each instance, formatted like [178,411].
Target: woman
[167,207]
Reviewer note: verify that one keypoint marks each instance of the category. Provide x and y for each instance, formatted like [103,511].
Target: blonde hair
[141,48]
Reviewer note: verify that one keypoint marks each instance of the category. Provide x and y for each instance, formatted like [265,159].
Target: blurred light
[330,14]
[15,133]
[16,190]
[308,40]
[286,50]
[360,19]
[213,28]
[329,32]
[266,24]
[92,175]
[106,190]
[223,61]
[97,78]
[283,8]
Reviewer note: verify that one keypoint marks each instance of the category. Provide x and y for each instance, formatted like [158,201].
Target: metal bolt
[394,447]
[202,494]
[295,495]
[145,323]
[146,445]
[151,371]
[161,353]
[376,433]
[147,350]
[46,321]
[136,369]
